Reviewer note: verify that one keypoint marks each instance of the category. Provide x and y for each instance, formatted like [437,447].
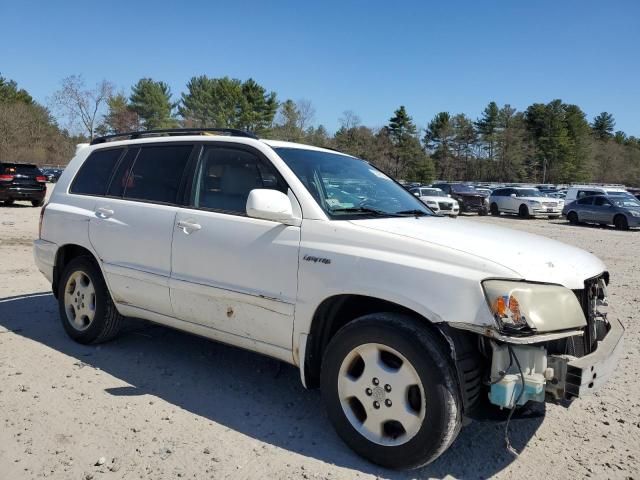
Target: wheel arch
[64,255]
[339,310]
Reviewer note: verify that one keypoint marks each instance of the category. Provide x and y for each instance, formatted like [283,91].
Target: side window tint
[226,176]
[601,201]
[157,172]
[121,175]
[585,200]
[94,174]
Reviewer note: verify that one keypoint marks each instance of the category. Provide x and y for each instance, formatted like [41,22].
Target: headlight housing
[534,203]
[522,306]
[635,213]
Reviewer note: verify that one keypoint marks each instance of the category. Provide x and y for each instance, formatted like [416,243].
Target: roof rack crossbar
[233,132]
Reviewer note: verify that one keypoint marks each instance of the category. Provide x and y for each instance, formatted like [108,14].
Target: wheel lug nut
[376,405]
[368,391]
[376,381]
[387,387]
[387,402]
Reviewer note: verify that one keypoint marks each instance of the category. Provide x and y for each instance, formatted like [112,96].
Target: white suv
[406,321]
[525,202]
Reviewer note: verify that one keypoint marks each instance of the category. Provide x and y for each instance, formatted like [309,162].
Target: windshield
[346,186]
[461,188]
[529,192]
[432,192]
[624,201]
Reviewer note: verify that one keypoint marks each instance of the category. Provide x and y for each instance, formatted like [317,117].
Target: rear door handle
[104,212]
[188,226]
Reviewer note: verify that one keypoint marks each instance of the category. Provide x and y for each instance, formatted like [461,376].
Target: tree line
[545,143]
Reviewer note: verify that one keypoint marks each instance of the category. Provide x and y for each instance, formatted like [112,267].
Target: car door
[133,225]
[585,208]
[602,210]
[232,273]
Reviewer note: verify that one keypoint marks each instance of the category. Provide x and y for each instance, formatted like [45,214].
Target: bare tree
[306,114]
[82,107]
[349,120]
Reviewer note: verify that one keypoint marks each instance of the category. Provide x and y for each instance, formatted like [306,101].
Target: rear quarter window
[94,174]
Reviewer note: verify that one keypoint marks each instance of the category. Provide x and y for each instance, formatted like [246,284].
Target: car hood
[469,194]
[530,257]
[437,199]
[540,199]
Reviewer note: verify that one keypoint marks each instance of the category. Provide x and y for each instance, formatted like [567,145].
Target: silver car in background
[623,211]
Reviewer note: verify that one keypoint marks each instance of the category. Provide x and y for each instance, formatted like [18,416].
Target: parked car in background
[622,211]
[525,202]
[468,198]
[52,174]
[437,200]
[578,192]
[22,181]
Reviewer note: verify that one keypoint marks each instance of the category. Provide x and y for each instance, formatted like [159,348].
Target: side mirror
[449,195]
[271,205]
[513,195]
[416,194]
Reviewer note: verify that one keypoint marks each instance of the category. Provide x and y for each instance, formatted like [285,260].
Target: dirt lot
[156,403]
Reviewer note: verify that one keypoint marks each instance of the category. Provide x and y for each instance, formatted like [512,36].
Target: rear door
[230,272]
[585,209]
[132,226]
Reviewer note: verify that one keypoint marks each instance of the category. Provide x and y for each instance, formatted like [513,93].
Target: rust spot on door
[229,312]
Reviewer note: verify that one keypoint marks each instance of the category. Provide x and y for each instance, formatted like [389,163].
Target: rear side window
[601,201]
[93,176]
[587,193]
[157,173]
[121,175]
[586,200]
[226,176]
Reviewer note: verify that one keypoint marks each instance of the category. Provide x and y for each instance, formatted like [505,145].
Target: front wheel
[621,222]
[390,391]
[523,211]
[37,203]
[87,312]
[495,211]
[573,218]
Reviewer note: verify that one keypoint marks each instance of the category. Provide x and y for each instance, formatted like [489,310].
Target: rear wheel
[523,211]
[573,218]
[87,312]
[494,210]
[620,222]
[390,391]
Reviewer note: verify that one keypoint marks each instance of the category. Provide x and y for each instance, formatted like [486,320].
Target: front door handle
[104,212]
[188,226]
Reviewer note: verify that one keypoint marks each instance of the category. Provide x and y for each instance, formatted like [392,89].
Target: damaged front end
[530,359]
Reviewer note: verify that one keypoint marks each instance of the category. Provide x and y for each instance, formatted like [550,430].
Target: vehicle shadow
[595,226]
[254,395]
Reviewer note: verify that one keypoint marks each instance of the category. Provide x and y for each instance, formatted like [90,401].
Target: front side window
[94,174]
[462,188]
[157,173]
[225,176]
[601,202]
[345,186]
[586,200]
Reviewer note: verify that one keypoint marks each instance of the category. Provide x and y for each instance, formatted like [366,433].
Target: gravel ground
[157,403]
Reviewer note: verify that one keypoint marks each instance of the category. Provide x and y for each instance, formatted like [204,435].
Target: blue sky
[369,57]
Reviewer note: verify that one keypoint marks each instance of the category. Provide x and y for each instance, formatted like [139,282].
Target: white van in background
[579,191]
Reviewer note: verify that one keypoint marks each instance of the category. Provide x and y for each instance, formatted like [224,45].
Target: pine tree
[151,100]
[603,126]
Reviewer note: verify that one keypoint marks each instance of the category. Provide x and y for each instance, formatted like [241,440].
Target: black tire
[106,322]
[442,419]
[523,211]
[573,218]
[37,203]
[483,212]
[495,211]
[9,202]
[621,222]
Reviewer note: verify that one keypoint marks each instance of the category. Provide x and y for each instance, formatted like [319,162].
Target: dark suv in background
[470,199]
[22,181]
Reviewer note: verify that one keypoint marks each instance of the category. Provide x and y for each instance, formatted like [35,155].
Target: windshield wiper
[363,210]
[416,212]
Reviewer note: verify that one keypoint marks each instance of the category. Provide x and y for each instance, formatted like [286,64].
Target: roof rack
[232,132]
